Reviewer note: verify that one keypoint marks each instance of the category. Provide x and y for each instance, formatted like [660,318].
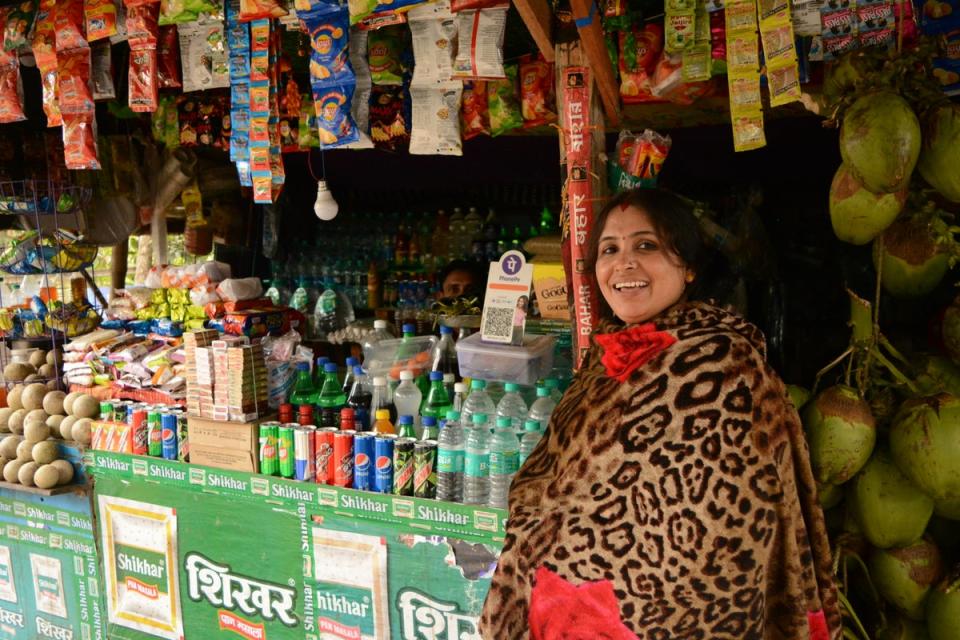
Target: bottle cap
[504,422]
[460,387]
[346,412]
[352,362]
[322,360]
[429,421]
[304,410]
[445,330]
[406,375]
[409,328]
[453,415]
[511,387]
[405,420]
[479,418]
[383,414]
[379,381]
[330,367]
[436,376]
[478,384]
[542,392]
[552,383]
[303,366]
[379,324]
[358,370]
[531,425]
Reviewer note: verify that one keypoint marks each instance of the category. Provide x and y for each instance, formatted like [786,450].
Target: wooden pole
[586,15]
[537,16]
[118,266]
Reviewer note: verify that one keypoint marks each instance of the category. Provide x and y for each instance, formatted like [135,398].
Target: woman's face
[639,276]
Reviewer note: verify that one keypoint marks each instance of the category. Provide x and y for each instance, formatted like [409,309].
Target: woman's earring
[689,278]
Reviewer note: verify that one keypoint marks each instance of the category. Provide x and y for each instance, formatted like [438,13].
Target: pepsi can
[383,461]
[363,461]
[168,436]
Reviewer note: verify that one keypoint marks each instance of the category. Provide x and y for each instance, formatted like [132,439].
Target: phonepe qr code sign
[506,300]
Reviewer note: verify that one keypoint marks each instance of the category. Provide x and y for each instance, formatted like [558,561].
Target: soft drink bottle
[303,389]
[348,378]
[542,408]
[437,403]
[504,461]
[449,381]
[531,437]
[407,430]
[444,356]
[360,399]
[383,423]
[450,454]
[318,375]
[476,471]
[477,402]
[430,430]
[407,397]
[381,398]
[331,398]
[512,406]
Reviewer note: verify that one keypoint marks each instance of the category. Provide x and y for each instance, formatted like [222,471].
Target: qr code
[498,322]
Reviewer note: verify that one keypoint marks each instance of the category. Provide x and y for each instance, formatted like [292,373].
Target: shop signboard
[202,553]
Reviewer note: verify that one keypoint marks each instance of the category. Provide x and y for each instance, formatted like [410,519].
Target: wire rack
[41,197]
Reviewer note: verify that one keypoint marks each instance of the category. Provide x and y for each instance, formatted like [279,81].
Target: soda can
[154,439]
[285,449]
[124,443]
[96,436]
[183,453]
[323,454]
[303,456]
[269,464]
[138,431]
[403,466]
[120,411]
[425,469]
[383,463]
[106,411]
[168,436]
[363,461]
[343,458]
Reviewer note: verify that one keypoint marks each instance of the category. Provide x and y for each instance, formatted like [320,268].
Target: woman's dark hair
[676,226]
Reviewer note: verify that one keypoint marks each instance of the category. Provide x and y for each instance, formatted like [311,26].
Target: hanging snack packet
[433,30]
[503,107]
[11,91]
[639,51]
[436,119]
[307,138]
[69,22]
[16,32]
[328,31]
[101,19]
[783,81]
[179,11]
[142,80]
[44,37]
[679,29]
[395,6]
[384,49]
[696,63]
[748,131]
[168,59]
[142,26]
[80,140]
[360,10]
[102,72]
[360,105]
[388,124]
[74,81]
[335,125]
[480,52]
[260,9]
[536,92]
[839,23]
[474,117]
[203,56]
[51,101]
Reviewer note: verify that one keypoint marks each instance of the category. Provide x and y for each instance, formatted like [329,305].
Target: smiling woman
[671,495]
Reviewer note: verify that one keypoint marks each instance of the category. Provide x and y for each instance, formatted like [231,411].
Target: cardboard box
[225,445]
[550,285]
[232,459]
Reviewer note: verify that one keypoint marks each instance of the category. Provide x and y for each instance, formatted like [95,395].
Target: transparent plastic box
[390,357]
[491,361]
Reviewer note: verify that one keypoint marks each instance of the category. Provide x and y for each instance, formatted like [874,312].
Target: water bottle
[360,399]
[476,467]
[407,397]
[512,406]
[379,333]
[504,462]
[444,356]
[542,407]
[450,454]
[380,401]
[477,402]
[459,396]
[531,436]
[348,378]
[554,385]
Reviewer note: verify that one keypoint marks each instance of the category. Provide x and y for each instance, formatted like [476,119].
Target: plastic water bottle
[450,454]
[512,406]
[348,378]
[531,436]
[380,332]
[554,385]
[542,408]
[477,402]
[444,356]
[407,397]
[476,466]
[459,396]
[504,462]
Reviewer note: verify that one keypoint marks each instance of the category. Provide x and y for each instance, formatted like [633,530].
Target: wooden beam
[585,13]
[537,16]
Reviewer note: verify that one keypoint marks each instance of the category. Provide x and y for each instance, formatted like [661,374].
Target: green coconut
[905,575]
[797,395]
[890,509]
[913,261]
[880,141]
[901,628]
[841,433]
[857,214]
[925,444]
[830,495]
[940,154]
[937,374]
[943,608]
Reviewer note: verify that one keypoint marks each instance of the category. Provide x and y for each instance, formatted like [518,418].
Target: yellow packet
[740,15]
[679,30]
[744,90]
[748,131]
[783,82]
[696,63]
[769,8]
[778,42]
[743,52]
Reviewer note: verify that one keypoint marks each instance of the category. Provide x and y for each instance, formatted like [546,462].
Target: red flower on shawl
[560,610]
[627,350]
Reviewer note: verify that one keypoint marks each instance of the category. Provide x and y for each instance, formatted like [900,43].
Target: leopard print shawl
[688,487]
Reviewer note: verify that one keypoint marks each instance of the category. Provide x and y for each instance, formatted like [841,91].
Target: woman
[671,496]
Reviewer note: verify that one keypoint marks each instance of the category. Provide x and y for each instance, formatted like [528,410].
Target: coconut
[913,261]
[4,417]
[33,395]
[857,214]
[13,398]
[65,469]
[46,452]
[36,432]
[46,477]
[38,358]
[943,608]
[925,444]
[53,402]
[880,141]
[905,575]
[891,510]
[86,407]
[68,402]
[841,432]
[15,421]
[25,451]
[830,495]
[8,446]
[55,357]
[66,425]
[17,371]
[937,374]
[940,154]
[896,628]
[81,431]
[32,378]
[798,395]
[54,423]
[11,470]
[26,472]
[47,371]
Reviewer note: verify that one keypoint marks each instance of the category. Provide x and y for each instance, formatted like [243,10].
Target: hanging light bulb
[325,206]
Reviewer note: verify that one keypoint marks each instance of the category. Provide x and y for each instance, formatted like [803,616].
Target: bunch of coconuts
[35,365]
[36,420]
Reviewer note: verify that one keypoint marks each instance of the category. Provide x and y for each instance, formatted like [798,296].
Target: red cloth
[625,351]
[818,625]
[560,610]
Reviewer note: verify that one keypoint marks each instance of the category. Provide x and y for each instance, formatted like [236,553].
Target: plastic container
[521,365]
[390,357]
[380,334]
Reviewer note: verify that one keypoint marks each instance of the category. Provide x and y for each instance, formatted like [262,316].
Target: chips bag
[474,117]
[179,11]
[433,30]
[74,81]
[480,50]
[101,19]
[260,9]
[504,109]
[168,59]
[389,126]
[69,22]
[537,101]
[101,72]
[384,50]
[16,32]
[51,101]
[80,140]
[639,51]
[335,125]
[328,30]
[142,80]
[44,37]
[11,92]
[436,119]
